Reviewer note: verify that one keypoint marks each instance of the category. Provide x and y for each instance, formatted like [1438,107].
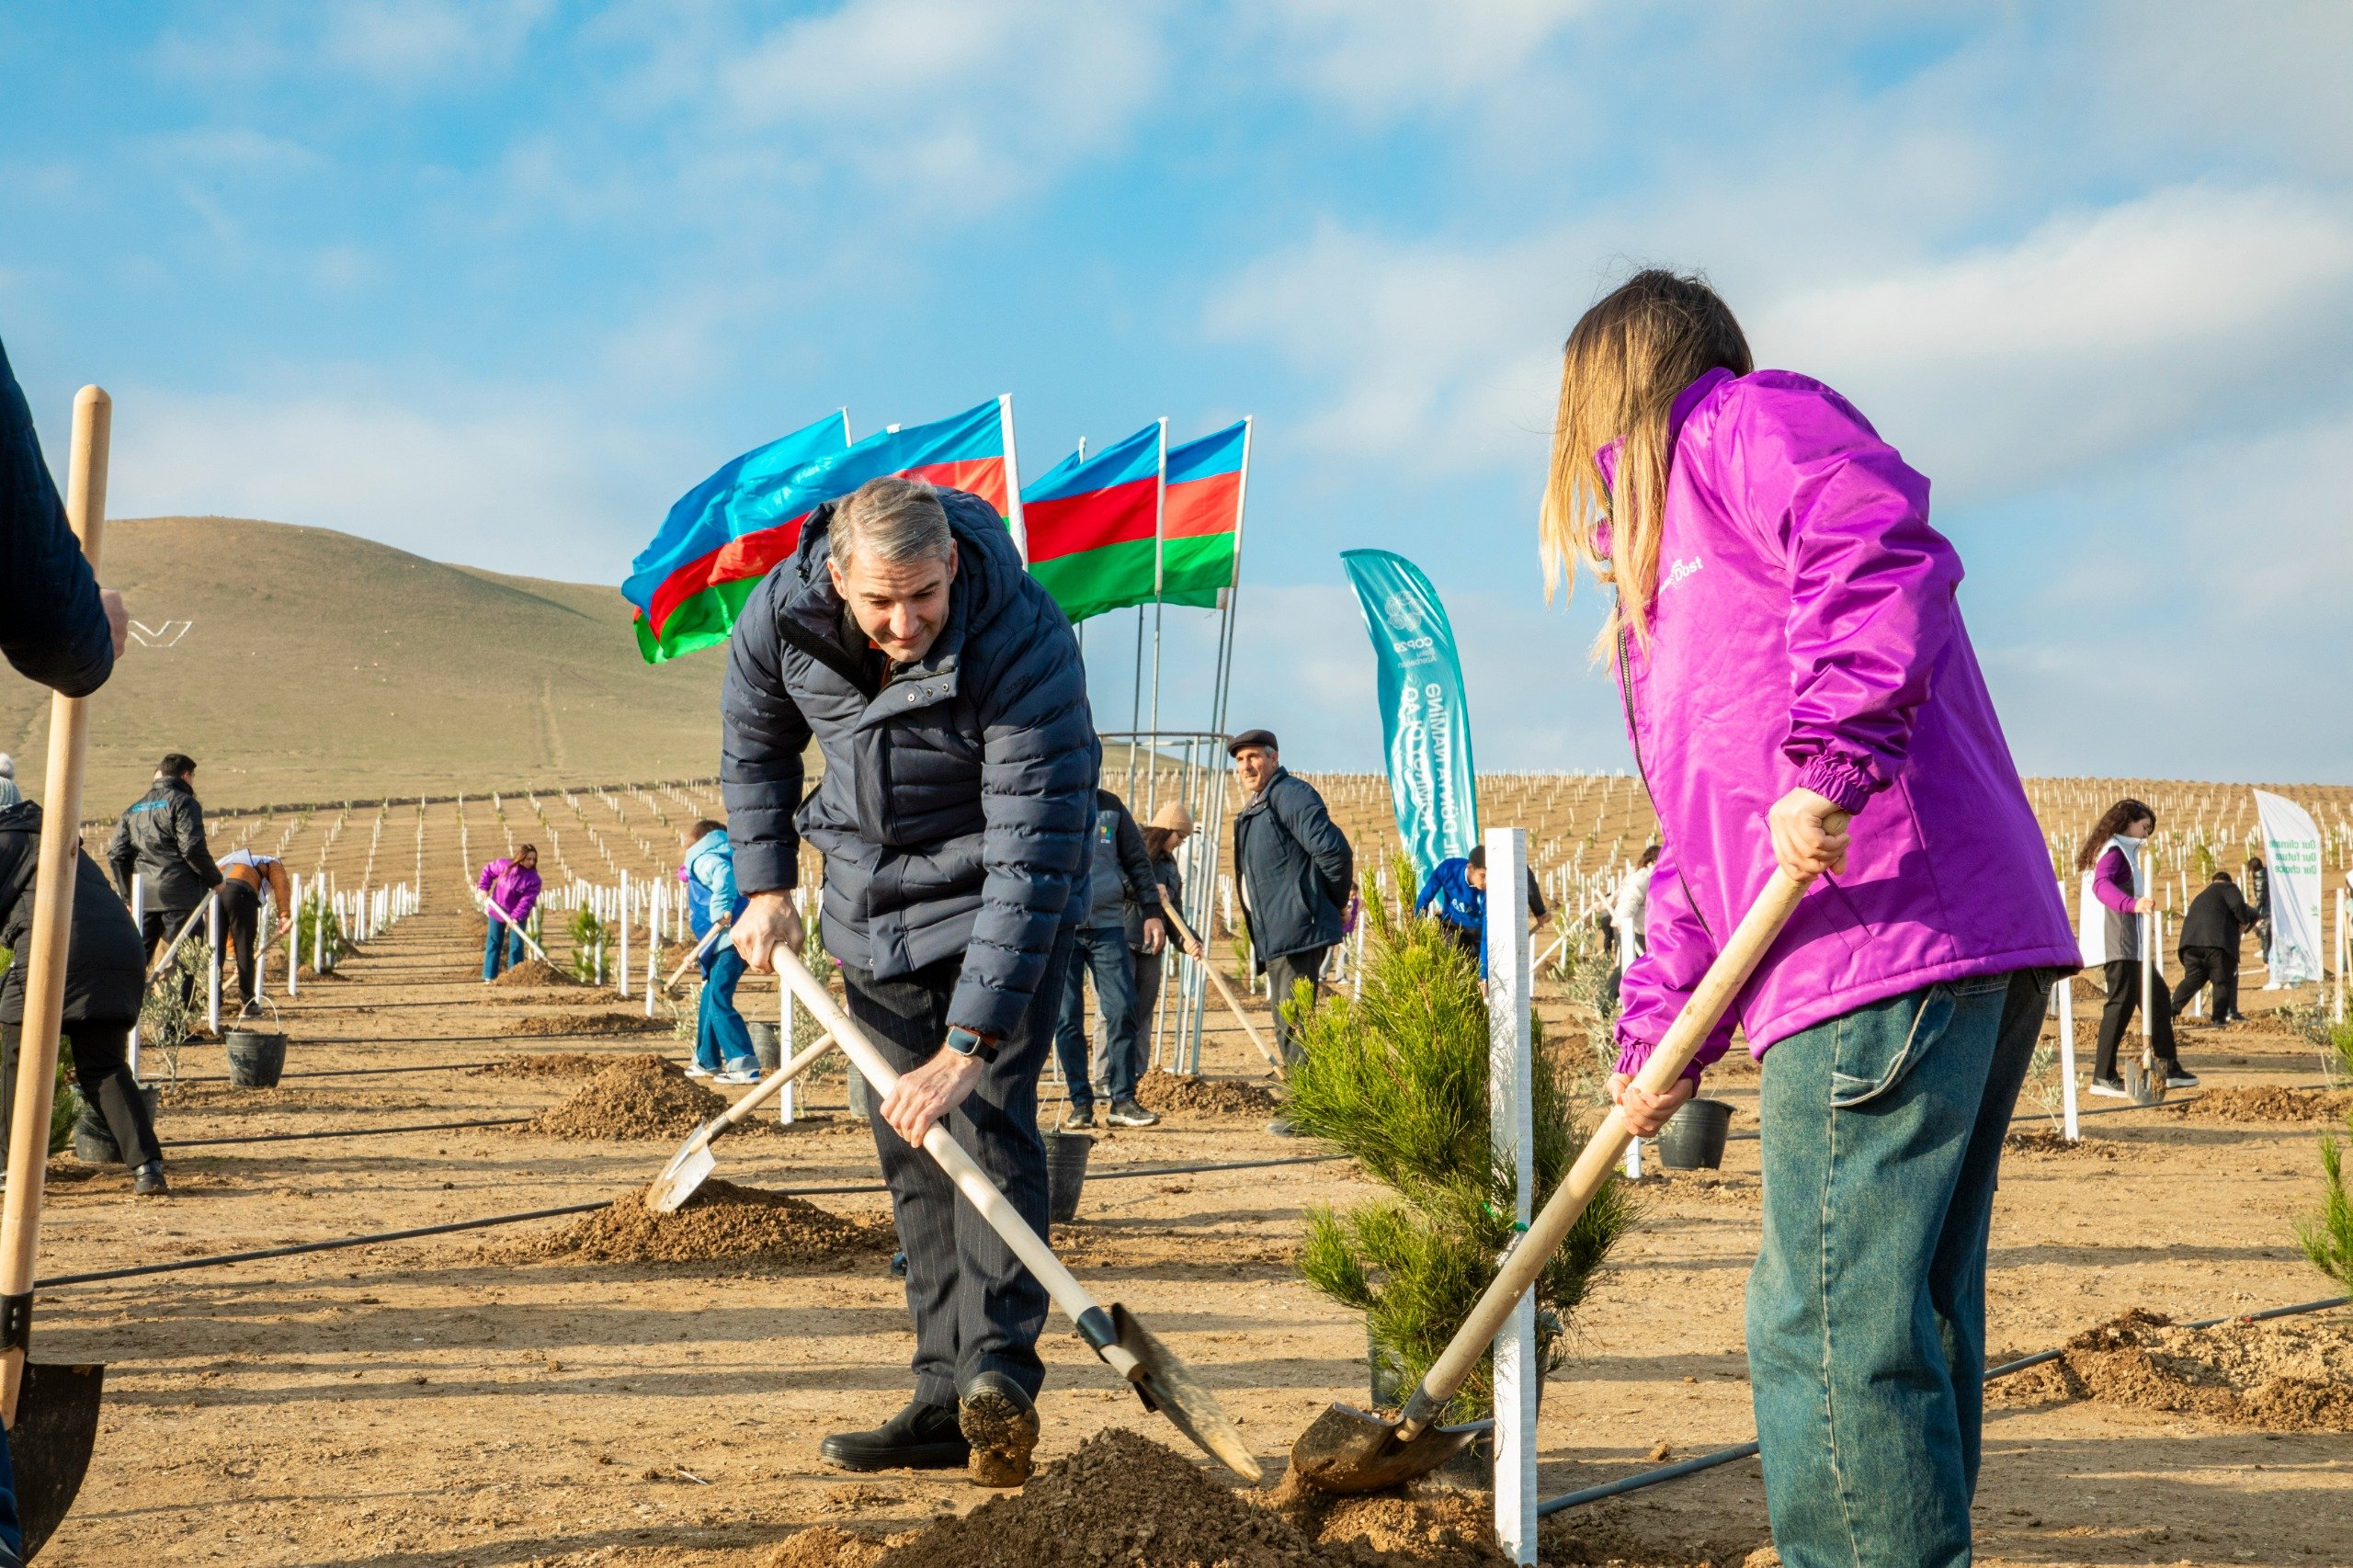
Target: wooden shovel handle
[772,1086]
[1274,1058]
[1733,965]
[61,841]
[700,948]
[961,1168]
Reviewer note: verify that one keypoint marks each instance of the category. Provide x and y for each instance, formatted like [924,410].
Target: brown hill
[318,665]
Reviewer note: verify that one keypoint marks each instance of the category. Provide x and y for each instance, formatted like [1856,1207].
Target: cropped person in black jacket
[943,685]
[2210,946]
[1121,876]
[105,976]
[57,626]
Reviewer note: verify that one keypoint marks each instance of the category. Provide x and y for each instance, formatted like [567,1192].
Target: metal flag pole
[1221,764]
[1159,573]
[1012,478]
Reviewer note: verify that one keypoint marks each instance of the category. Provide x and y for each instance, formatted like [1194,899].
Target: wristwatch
[964,1042]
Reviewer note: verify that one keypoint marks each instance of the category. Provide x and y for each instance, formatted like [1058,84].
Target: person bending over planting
[2111,938]
[509,888]
[1458,888]
[2217,918]
[1790,652]
[723,1042]
[956,816]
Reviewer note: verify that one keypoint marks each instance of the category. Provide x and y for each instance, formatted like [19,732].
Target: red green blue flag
[1200,527]
[1094,526]
[723,535]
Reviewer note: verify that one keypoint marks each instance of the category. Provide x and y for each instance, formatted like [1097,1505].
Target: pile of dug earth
[637,1096]
[534,972]
[2269,1103]
[1170,1094]
[1123,1499]
[721,1223]
[548,1064]
[2286,1375]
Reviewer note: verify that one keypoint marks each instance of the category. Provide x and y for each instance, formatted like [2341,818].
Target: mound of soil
[534,972]
[636,1096]
[547,1064]
[2286,1375]
[2049,1143]
[585,1023]
[1123,1499]
[2280,1104]
[1169,1092]
[720,1223]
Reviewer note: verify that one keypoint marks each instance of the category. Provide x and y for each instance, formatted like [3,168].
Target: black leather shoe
[147,1181]
[1001,1424]
[921,1437]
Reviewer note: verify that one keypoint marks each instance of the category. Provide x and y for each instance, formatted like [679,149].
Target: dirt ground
[474,1400]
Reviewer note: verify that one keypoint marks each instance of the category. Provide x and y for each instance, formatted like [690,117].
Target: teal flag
[1425,722]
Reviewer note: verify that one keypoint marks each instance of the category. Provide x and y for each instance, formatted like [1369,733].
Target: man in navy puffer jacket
[943,686]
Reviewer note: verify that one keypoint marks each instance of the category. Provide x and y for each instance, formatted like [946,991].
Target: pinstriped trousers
[975,1308]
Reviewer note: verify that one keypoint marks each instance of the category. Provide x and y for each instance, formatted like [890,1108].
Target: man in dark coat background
[2218,917]
[1121,877]
[944,688]
[161,837]
[1295,870]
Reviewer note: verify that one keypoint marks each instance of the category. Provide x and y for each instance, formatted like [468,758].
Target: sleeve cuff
[1634,1053]
[1842,783]
[766,867]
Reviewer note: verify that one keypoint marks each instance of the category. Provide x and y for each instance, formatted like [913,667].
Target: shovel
[51,1411]
[1348,1450]
[692,1164]
[1162,1380]
[517,926]
[700,948]
[1226,991]
[2144,1081]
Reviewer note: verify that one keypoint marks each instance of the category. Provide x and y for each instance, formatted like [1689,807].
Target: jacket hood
[713,840]
[22,817]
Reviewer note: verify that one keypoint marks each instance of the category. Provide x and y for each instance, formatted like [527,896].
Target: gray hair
[890,519]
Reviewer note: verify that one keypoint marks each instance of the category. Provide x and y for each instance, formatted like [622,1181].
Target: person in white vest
[2110,939]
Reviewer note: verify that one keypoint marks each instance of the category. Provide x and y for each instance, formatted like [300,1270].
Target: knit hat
[8,765]
[1174,817]
[10,794]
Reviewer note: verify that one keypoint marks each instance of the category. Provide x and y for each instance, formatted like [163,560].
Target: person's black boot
[147,1181]
[921,1437]
[1001,1424]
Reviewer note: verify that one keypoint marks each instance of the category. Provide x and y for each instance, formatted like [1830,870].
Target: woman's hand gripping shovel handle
[1164,1381]
[1346,1450]
[51,1411]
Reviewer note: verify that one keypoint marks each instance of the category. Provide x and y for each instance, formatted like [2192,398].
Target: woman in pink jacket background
[1789,646]
[2111,853]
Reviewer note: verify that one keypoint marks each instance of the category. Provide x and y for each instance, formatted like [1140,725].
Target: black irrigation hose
[1664,1473]
[344,1132]
[217,1260]
[351,1071]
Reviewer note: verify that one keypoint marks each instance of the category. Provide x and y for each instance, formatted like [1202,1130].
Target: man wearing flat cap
[1295,870]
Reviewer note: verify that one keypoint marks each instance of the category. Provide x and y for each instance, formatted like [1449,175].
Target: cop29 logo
[1403,614]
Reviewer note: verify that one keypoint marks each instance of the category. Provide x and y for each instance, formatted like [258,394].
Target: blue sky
[495,282]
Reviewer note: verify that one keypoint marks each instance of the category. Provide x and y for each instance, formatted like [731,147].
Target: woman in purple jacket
[1788,646]
[510,889]
[2111,853]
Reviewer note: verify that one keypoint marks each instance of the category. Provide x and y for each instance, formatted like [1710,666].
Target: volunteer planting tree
[1397,1077]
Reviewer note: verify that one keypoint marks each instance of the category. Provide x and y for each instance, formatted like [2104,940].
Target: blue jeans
[1882,1131]
[720,1039]
[492,960]
[1102,951]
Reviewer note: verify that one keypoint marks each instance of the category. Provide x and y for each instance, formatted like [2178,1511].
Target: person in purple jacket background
[511,888]
[1788,644]
[2111,853]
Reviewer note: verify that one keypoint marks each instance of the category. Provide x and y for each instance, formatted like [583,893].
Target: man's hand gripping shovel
[51,1411]
[1163,1382]
[1348,1450]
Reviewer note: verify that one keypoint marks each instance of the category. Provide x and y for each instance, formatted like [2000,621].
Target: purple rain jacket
[1805,631]
[514,889]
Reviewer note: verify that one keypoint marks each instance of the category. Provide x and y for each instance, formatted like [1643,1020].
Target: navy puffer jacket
[957,805]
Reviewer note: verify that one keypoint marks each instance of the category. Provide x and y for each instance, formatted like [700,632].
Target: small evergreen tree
[1397,1077]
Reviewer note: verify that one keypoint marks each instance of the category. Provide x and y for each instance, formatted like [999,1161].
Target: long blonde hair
[1624,363]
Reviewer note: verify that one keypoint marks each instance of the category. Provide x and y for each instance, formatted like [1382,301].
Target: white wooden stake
[213,983]
[2067,1042]
[294,936]
[138,919]
[625,920]
[1511,1133]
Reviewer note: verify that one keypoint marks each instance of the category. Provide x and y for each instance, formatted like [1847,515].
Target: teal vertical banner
[1425,723]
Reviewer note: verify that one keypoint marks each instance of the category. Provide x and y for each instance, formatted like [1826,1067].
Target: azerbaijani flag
[1094,526]
[723,535]
[1200,528]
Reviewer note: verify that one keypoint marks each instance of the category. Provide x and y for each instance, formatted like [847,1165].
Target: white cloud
[522,480]
[1383,58]
[409,45]
[2099,333]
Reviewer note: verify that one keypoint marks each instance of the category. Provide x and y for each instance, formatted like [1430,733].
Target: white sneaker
[697,1070]
[2110,1090]
[736,1075]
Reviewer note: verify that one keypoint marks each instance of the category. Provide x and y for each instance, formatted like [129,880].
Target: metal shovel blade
[1349,1450]
[1168,1386]
[684,1175]
[2145,1083]
[57,1425]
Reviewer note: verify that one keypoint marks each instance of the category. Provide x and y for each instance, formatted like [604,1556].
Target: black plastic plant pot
[1066,1155]
[1693,1138]
[93,1141]
[767,1044]
[861,1098]
[255,1058]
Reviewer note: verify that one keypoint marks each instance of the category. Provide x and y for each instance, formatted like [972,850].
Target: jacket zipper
[1634,738]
